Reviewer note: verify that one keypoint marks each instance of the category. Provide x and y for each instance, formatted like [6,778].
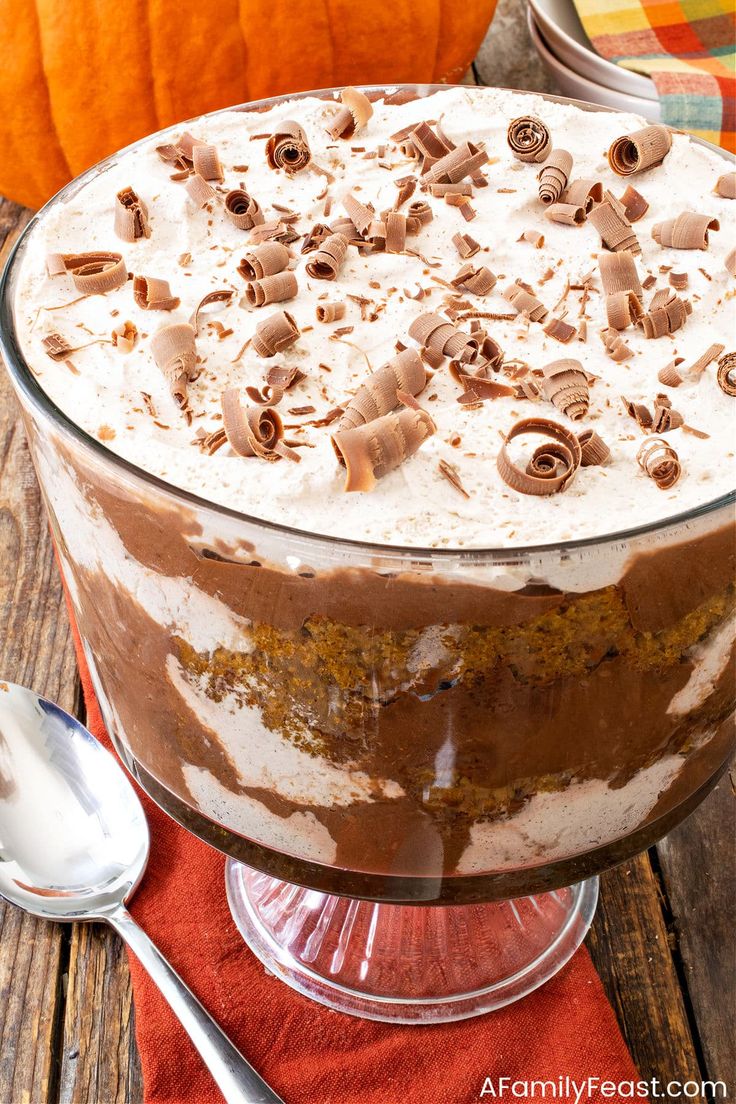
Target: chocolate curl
[379,394]
[678,280]
[186,143]
[528,139]
[566,385]
[276,230]
[429,144]
[175,354]
[272,289]
[712,353]
[125,336]
[665,418]
[616,347]
[667,313]
[435,333]
[553,464]
[370,451]
[478,281]
[553,176]
[730,263]
[407,188]
[317,235]
[274,334]
[330,312]
[726,186]
[418,214]
[524,302]
[465,245]
[151,293]
[618,273]
[355,112]
[395,232]
[264,260]
[329,258]
[92,273]
[464,188]
[222,295]
[623,309]
[669,376]
[726,375]
[253,431]
[206,162]
[287,148]
[174,155]
[609,219]
[566,213]
[583,193]
[688,231]
[131,216]
[660,462]
[639,412]
[242,210]
[634,204]
[593,449]
[560,330]
[633,153]
[455,165]
[360,214]
[199,191]
[533,237]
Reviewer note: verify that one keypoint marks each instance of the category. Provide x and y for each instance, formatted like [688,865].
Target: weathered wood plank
[630,947]
[698,863]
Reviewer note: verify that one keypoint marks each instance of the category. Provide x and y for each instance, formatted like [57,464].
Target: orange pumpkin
[79,79]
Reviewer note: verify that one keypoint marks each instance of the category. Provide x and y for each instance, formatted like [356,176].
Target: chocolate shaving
[274,334]
[379,394]
[465,245]
[641,414]
[633,153]
[223,295]
[726,186]
[730,263]
[199,191]
[92,273]
[451,474]
[665,418]
[124,336]
[418,214]
[242,210]
[131,216]
[152,293]
[434,332]
[174,351]
[667,313]
[355,112]
[525,302]
[396,229]
[688,231]
[529,139]
[726,375]
[669,376]
[593,449]
[660,462]
[616,347]
[407,187]
[678,280]
[618,273]
[583,193]
[329,258]
[533,237]
[330,312]
[206,162]
[609,219]
[288,148]
[560,330]
[460,188]
[704,360]
[566,385]
[370,451]
[253,431]
[567,213]
[634,204]
[272,289]
[553,464]
[553,176]
[58,348]
[460,162]
[623,308]
[478,389]
[319,233]
[263,260]
[478,281]
[360,214]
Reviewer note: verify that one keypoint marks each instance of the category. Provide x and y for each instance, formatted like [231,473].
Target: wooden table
[662,939]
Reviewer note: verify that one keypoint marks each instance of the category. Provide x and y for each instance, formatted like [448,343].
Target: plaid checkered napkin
[687,48]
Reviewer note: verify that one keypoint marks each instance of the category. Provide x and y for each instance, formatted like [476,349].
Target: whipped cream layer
[414,504]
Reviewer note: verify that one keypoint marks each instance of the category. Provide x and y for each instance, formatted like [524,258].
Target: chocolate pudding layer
[416,717]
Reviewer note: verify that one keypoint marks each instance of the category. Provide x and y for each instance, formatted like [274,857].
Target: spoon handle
[237,1080]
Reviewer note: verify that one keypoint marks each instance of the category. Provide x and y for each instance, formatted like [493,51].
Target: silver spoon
[74,845]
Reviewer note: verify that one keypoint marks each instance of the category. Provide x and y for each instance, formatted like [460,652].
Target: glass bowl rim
[27,383]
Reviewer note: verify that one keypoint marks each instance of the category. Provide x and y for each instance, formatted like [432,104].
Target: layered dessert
[400,552]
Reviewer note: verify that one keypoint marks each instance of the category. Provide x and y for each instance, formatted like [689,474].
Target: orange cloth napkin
[311,1055]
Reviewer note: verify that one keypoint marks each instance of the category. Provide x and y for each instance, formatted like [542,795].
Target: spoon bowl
[74,844]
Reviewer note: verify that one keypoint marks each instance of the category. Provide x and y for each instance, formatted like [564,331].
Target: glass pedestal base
[408,963]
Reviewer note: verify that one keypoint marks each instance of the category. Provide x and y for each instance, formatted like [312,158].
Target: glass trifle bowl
[418,754]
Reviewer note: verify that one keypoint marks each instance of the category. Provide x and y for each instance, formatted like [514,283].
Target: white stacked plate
[570,59]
